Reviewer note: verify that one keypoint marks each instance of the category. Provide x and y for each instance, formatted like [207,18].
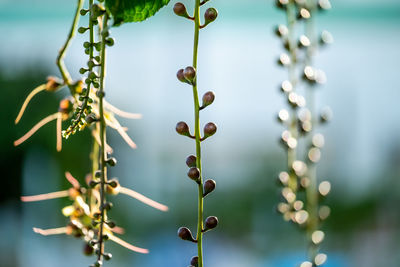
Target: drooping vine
[301,191]
[87,108]
[188,75]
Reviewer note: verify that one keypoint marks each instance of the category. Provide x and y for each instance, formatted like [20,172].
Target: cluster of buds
[188,75]
[85,211]
[300,192]
[88,212]
[83,114]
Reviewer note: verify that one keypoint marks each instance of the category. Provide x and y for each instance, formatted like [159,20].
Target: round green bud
[82,29]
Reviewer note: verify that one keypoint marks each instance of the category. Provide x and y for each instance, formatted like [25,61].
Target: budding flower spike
[301,192]
[188,75]
[86,107]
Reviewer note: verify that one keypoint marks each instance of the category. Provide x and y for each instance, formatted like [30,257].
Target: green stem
[197,135]
[311,190]
[94,156]
[103,154]
[60,58]
[292,152]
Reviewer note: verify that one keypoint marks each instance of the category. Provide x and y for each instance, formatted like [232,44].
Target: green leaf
[124,11]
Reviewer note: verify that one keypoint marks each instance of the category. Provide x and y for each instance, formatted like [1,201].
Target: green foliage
[133,10]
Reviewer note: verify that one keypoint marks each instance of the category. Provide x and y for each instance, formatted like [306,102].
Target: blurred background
[237,61]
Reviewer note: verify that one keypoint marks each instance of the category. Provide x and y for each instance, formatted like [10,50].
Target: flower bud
[185,234]
[110,41]
[87,249]
[326,38]
[281,3]
[112,161]
[65,106]
[113,187]
[53,83]
[107,256]
[208,99]
[209,186]
[82,29]
[191,161]
[180,76]
[107,205]
[90,118]
[281,30]
[111,224]
[182,128]
[83,12]
[92,183]
[209,129]
[113,183]
[211,222]
[324,4]
[98,263]
[190,74]
[194,173]
[180,10]
[210,15]
[326,115]
[194,261]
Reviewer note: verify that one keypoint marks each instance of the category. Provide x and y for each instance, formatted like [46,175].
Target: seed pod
[208,99]
[98,263]
[185,234]
[180,10]
[53,83]
[211,222]
[209,186]
[210,15]
[194,261]
[190,74]
[113,183]
[182,128]
[191,161]
[112,161]
[194,173]
[209,129]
